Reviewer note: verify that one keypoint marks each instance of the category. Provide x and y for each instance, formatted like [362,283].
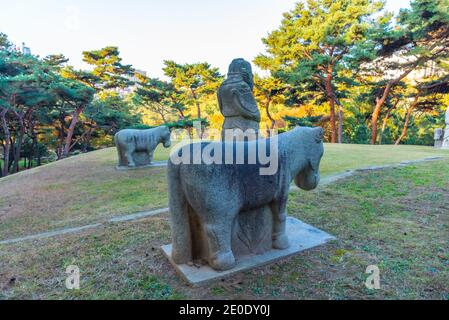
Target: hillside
[88,189]
[394,218]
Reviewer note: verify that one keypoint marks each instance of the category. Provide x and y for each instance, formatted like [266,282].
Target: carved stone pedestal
[302,237]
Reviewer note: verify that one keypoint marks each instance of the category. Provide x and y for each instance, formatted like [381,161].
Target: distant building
[25,50]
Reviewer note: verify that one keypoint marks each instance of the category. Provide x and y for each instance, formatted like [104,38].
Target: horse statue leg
[129,156]
[280,238]
[218,227]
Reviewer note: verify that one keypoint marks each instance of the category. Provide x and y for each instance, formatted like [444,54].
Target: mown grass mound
[87,188]
[397,219]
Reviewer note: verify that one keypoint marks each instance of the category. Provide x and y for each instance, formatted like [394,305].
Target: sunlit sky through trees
[147,32]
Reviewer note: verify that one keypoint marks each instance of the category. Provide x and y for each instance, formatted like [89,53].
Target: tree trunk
[198,106]
[163,118]
[39,159]
[18,146]
[329,93]
[182,117]
[404,130]
[33,136]
[181,114]
[1,166]
[377,110]
[87,140]
[381,101]
[70,132]
[340,124]
[60,146]
[273,122]
[12,143]
[31,155]
[407,119]
[7,145]
[384,126]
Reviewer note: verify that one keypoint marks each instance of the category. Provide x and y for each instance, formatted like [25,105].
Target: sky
[148,32]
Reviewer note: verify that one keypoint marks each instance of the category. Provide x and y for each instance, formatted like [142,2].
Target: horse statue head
[309,177]
[166,137]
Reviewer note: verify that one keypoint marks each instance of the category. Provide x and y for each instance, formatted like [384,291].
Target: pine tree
[420,35]
[318,39]
[194,80]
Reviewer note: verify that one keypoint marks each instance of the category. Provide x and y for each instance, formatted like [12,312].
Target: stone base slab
[301,235]
[153,165]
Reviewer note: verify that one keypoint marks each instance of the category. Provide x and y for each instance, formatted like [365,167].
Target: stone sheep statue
[206,199]
[136,147]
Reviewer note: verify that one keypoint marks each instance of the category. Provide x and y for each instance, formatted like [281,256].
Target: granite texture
[220,211]
[136,147]
[237,103]
[302,237]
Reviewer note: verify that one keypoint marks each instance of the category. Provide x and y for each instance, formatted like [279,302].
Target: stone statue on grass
[237,102]
[446,131]
[442,136]
[136,147]
[439,137]
[210,202]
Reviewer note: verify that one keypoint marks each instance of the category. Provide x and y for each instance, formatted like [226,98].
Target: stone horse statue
[136,147]
[206,199]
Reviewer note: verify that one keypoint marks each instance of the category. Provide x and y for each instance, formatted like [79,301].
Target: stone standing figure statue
[438,137]
[446,131]
[237,102]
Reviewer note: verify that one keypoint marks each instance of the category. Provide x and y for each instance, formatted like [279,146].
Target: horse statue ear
[319,135]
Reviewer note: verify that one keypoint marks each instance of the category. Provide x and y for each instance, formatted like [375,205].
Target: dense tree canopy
[315,41]
[419,39]
[194,80]
[363,74]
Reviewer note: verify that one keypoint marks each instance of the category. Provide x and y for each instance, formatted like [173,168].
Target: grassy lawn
[397,219]
[339,158]
[77,191]
[87,188]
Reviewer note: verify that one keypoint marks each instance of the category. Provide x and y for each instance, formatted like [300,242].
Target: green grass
[397,219]
[87,189]
[22,164]
[77,191]
[339,158]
